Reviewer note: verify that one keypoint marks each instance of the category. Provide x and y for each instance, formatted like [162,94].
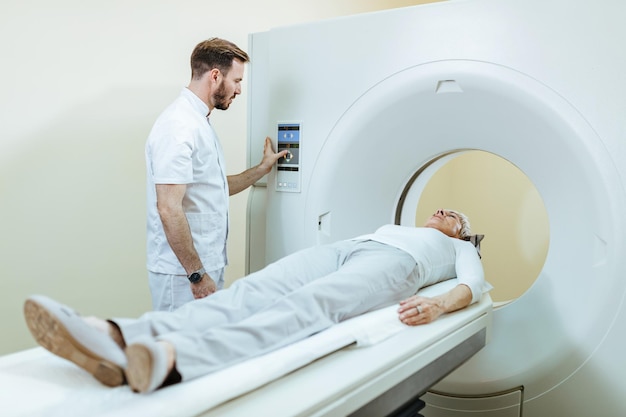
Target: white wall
[81,83]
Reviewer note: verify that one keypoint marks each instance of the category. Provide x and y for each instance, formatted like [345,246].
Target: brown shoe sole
[139,369]
[52,335]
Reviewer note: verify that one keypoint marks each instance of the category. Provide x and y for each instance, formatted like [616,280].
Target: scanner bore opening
[502,203]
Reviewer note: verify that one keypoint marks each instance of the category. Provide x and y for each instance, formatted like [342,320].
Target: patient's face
[446,222]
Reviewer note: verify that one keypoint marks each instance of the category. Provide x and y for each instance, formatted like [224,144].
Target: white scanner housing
[380,100]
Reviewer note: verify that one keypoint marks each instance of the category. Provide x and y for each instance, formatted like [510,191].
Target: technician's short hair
[215,53]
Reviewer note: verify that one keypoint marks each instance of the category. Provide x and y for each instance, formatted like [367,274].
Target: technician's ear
[214,75]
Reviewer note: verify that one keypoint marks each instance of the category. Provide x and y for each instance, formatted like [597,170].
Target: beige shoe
[63,332]
[147,366]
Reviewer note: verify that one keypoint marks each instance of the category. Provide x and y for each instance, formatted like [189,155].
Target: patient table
[371,365]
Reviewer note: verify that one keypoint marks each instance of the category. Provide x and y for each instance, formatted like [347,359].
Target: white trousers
[289,300]
[172,291]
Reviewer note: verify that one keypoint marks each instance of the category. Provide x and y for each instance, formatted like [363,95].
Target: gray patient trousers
[287,301]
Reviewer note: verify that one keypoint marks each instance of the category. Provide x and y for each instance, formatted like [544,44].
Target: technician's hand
[269,156]
[419,310]
[203,288]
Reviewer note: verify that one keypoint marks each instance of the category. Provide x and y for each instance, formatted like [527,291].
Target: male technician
[187,185]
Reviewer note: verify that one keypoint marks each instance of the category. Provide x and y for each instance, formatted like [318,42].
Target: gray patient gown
[303,294]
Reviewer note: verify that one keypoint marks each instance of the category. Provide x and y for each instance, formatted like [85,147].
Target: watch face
[195,277]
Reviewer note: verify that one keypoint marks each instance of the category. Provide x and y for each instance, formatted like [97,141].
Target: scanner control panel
[288,167]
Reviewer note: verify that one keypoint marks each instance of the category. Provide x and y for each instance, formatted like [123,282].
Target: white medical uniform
[182,148]
[305,293]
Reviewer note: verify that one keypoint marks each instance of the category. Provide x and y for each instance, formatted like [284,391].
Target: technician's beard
[222,102]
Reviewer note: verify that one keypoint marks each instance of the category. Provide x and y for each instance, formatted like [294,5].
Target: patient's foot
[150,362]
[63,332]
[108,328]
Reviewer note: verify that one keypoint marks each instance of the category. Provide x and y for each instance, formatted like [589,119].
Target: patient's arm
[433,307]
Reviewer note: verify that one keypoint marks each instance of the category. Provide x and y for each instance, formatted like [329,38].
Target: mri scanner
[370,107]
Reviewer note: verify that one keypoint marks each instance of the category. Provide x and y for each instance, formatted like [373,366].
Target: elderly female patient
[289,300]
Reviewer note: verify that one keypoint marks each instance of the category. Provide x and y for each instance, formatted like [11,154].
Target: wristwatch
[196,276]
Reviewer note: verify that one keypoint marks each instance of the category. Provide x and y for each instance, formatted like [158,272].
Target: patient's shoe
[63,332]
[147,367]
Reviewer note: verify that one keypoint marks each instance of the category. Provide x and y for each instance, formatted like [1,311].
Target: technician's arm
[169,205]
[431,308]
[239,182]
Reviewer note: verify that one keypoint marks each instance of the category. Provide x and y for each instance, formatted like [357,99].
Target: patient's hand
[419,310]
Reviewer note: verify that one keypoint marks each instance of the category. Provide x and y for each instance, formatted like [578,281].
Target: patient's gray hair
[466,229]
